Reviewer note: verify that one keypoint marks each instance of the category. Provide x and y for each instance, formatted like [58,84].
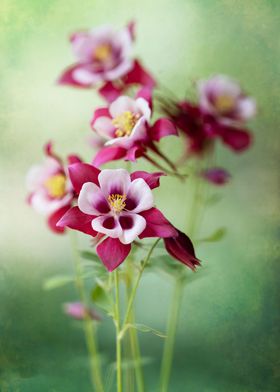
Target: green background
[227,338]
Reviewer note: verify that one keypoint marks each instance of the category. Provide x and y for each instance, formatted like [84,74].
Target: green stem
[88,324]
[168,351]
[118,338]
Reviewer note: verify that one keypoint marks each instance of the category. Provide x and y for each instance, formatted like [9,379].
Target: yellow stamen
[117,202]
[102,52]
[224,103]
[125,123]
[56,185]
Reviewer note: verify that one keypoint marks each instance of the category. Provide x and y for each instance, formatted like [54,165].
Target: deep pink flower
[126,128]
[51,192]
[216,175]
[104,60]
[117,205]
[223,98]
[78,311]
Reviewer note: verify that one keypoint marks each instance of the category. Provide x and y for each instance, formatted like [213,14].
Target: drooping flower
[216,175]
[223,98]
[78,311]
[104,60]
[116,206]
[126,128]
[51,192]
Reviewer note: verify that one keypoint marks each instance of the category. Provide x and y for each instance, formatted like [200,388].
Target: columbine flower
[78,311]
[104,59]
[51,192]
[118,207]
[216,175]
[223,98]
[126,129]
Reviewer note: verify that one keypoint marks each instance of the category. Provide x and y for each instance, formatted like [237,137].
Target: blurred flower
[51,191]
[104,59]
[223,98]
[78,311]
[216,175]
[126,129]
[117,205]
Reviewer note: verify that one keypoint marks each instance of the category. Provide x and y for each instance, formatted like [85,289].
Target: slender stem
[88,323]
[134,289]
[167,360]
[160,167]
[118,339]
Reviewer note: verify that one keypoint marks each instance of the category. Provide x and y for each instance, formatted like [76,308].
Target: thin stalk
[118,339]
[168,351]
[88,323]
[160,167]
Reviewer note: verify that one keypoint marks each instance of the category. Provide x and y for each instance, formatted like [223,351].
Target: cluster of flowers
[113,206]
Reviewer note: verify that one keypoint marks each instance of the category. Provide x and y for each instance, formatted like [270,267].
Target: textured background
[229,323]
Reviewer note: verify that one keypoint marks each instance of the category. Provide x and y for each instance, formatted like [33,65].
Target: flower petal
[138,75]
[140,192]
[161,128]
[112,252]
[91,200]
[132,225]
[216,175]
[110,92]
[152,179]
[122,104]
[77,220]
[237,139]
[104,127]
[108,154]
[67,78]
[114,181]
[157,225]
[107,224]
[83,172]
[55,217]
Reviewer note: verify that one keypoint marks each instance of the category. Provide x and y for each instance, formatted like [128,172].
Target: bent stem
[166,364]
[88,324]
[118,338]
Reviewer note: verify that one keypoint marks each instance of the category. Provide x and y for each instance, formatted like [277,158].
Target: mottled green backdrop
[227,337]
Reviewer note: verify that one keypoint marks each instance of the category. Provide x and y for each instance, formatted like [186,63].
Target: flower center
[117,202]
[56,185]
[125,123]
[102,52]
[224,103]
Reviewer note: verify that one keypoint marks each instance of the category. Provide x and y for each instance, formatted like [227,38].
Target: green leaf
[101,298]
[85,254]
[216,236]
[57,281]
[146,328]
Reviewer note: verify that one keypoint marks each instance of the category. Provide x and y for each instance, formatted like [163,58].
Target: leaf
[101,298]
[93,262]
[85,254]
[57,281]
[216,236]
[146,328]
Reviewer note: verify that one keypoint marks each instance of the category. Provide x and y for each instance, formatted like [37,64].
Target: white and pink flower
[125,126]
[51,192]
[104,59]
[223,98]
[117,207]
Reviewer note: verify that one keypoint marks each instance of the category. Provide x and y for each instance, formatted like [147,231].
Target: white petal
[90,196]
[122,104]
[97,225]
[138,225]
[114,181]
[140,191]
[46,206]
[86,76]
[144,108]
[120,70]
[104,127]
[246,108]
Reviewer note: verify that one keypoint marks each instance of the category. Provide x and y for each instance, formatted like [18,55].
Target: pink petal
[110,92]
[152,179]
[141,193]
[122,104]
[132,225]
[133,153]
[216,176]
[146,93]
[55,217]
[181,248]
[114,181]
[100,112]
[78,311]
[77,220]
[108,154]
[67,78]
[237,139]
[108,225]
[157,225]
[112,252]
[161,128]
[71,159]
[82,172]
[131,28]
[138,75]
[104,127]
[91,200]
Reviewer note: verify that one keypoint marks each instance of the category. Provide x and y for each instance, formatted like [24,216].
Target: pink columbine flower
[104,60]
[118,207]
[216,175]
[125,125]
[223,98]
[78,311]
[51,192]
